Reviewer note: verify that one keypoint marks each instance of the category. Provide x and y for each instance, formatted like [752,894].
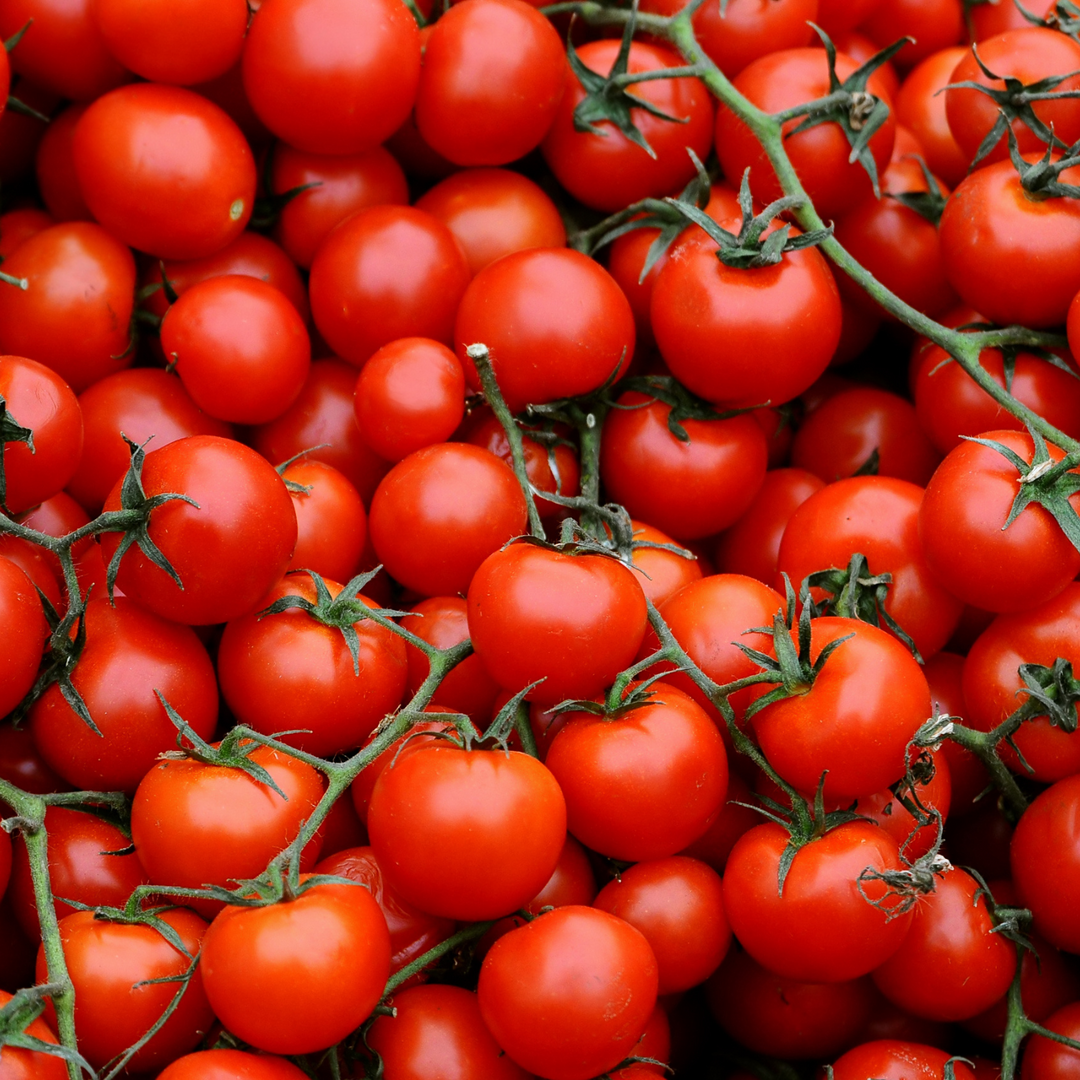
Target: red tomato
[921,108]
[678,904]
[441,512]
[611,974]
[689,489]
[749,29]
[443,825]
[267,969]
[951,935]
[836,16]
[55,167]
[385,273]
[227,550]
[662,573]
[32,1064]
[1045,1059]
[230,1065]
[73,316]
[574,621]
[165,170]
[23,631]
[990,19]
[821,928]
[19,225]
[967,775]
[736,816]
[556,323]
[893,1059]
[316,88]
[934,24]
[494,212]
[491,81]
[22,765]
[106,960]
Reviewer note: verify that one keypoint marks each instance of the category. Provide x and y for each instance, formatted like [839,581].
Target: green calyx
[1064,16]
[683,404]
[20,1012]
[1040,179]
[929,204]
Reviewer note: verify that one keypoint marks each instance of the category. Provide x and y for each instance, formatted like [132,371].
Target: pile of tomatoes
[484,594]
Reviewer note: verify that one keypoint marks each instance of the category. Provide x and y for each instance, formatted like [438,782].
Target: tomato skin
[22,765]
[783,1017]
[574,621]
[960,523]
[228,551]
[165,170]
[21,1064]
[441,822]
[23,631]
[688,489]
[438,1031]
[491,82]
[1045,1059]
[439,513]
[556,323]
[230,1065]
[849,937]
[921,109]
[677,903]
[894,1059]
[645,784]
[494,212]
[194,824]
[749,29]
[605,169]
[612,972]
[742,336]
[267,970]
[105,960]
[663,573]
[855,723]
[879,517]
[54,166]
[331,522]
[332,76]
[950,935]
[74,315]
[288,670]
[1045,856]
[935,24]
[385,273]
[412,931]
[83,866]
[19,225]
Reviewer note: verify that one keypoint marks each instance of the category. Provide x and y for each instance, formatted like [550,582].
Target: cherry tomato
[230,1065]
[921,108]
[894,1059]
[19,225]
[934,24]
[1045,1059]
[22,631]
[662,573]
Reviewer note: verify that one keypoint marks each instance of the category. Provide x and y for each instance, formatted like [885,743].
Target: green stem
[984,744]
[470,933]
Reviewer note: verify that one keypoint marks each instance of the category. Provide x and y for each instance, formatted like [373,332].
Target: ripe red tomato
[54,167]
[19,225]
[894,1059]
[165,170]
[934,24]
[313,83]
[230,1065]
[23,631]
[228,550]
[574,621]
[268,971]
[921,109]
[662,573]
[444,826]
[749,29]
[1045,1059]
[591,975]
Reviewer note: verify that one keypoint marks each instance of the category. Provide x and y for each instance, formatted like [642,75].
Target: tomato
[677,903]
[227,550]
[330,520]
[967,776]
[332,76]
[662,573]
[85,865]
[385,273]
[439,513]
[783,1017]
[19,1064]
[444,827]
[574,621]
[23,631]
[165,170]
[343,184]
[782,80]
[321,423]
[990,19]
[821,928]
[22,765]
[54,167]
[410,394]
[230,1065]
[63,51]
[443,621]
[934,24]
[1028,54]
[140,402]
[491,81]
[921,108]
[494,212]
[603,167]
[195,824]
[879,517]
[289,670]
[645,784]
[961,526]
[749,29]
[591,975]
[1045,858]
[743,336]
[556,323]
[951,935]
[106,960]
[19,225]
[894,1059]
[689,489]
[412,931]
[752,545]
[173,43]
[836,16]
[860,48]
[73,316]
[438,1030]
[1045,1059]
[268,971]
[736,816]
